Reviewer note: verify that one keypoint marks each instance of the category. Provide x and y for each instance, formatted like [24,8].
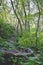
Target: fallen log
[16,53]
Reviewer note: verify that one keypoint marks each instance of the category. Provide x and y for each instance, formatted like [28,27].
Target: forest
[21,32]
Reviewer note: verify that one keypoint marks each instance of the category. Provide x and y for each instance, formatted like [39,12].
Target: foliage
[28,39]
[5,29]
[21,26]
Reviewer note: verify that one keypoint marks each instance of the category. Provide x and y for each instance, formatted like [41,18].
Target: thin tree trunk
[24,13]
[37,23]
[0,2]
[16,15]
[28,14]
